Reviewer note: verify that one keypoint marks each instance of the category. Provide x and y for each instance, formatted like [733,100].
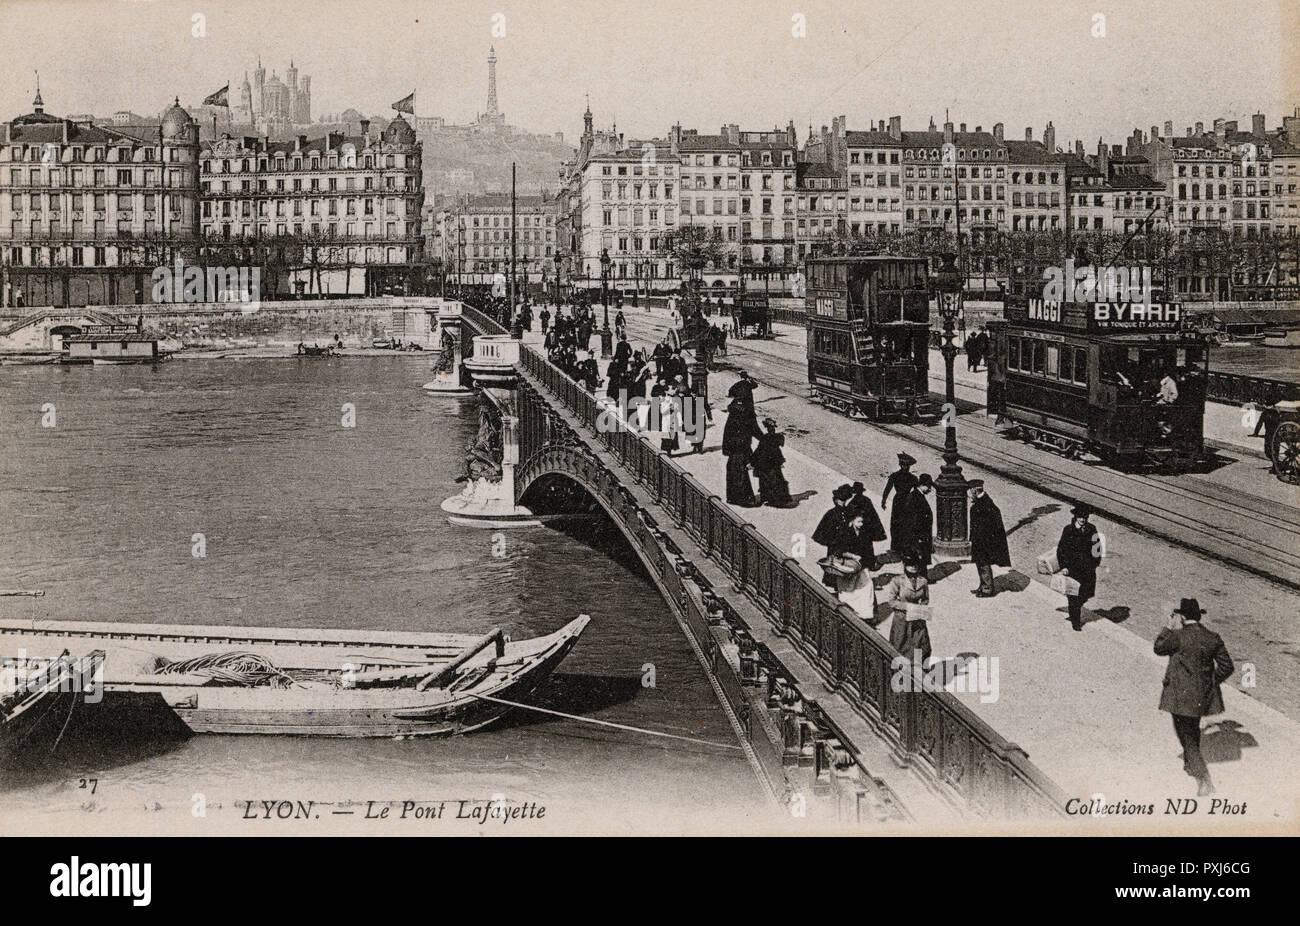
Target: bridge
[805,681]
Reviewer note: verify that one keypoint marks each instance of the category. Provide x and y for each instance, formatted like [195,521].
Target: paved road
[1233,511]
[1143,569]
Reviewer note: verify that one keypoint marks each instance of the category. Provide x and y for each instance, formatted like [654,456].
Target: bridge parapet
[933,733]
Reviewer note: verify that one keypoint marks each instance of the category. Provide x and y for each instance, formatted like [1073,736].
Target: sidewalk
[1083,705]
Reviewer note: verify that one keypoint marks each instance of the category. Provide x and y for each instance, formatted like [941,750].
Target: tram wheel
[1286,452]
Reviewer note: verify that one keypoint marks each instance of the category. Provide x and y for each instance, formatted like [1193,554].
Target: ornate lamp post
[606,336]
[950,487]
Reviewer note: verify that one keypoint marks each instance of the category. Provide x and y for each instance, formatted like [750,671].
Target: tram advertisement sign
[1136,315]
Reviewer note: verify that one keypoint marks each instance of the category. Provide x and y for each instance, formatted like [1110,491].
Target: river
[306,522]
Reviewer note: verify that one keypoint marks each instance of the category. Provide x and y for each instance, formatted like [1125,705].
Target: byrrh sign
[1136,314]
[1111,316]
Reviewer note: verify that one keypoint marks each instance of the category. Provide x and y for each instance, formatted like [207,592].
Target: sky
[704,63]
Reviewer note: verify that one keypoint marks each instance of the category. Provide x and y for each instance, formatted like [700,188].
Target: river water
[308,523]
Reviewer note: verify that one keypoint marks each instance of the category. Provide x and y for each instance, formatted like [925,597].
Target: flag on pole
[220,98]
[406,104]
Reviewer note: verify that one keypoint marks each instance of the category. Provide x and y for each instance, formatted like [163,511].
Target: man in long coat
[912,522]
[988,538]
[1198,664]
[1078,553]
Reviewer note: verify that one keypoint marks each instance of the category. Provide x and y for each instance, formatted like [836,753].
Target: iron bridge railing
[932,731]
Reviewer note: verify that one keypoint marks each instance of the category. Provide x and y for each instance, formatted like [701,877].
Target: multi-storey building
[941,167]
[628,207]
[87,213]
[473,238]
[1036,174]
[710,191]
[822,210]
[343,212]
[767,206]
[871,164]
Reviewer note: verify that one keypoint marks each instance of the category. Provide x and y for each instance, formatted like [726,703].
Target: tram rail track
[1248,532]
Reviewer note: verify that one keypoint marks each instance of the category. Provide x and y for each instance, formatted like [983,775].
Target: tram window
[1053,365]
[1013,353]
[1067,363]
[1081,365]
[1040,360]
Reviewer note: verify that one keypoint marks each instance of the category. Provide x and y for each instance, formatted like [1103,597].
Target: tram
[868,324]
[1123,381]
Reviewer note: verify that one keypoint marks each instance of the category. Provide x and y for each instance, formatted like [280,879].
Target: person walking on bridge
[1078,553]
[829,527]
[1198,664]
[900,482]
[988,538]
[741,428]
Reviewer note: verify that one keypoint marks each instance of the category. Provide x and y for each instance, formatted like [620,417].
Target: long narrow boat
[264,680]
[36,692]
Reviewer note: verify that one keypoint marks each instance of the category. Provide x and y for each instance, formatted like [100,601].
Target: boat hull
[362,709]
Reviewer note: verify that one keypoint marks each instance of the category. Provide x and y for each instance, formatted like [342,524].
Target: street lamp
[636,286]
[950,487]
[606,336]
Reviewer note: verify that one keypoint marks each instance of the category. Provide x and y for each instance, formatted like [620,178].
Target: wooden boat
[39,692]
[264,680]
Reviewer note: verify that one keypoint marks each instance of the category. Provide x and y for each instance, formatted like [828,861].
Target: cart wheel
[1286,452]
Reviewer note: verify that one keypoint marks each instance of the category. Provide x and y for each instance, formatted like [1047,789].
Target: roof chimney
[896,127]
[963,128]
[1257,125]
[1189,131]
[300,143]
[1155,132]
[1049,138]
[1103,159]
[365,127]
[1029,133]
[1169,128]
[1200,128]
[997,130]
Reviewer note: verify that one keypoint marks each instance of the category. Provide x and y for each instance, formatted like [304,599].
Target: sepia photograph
[716,418]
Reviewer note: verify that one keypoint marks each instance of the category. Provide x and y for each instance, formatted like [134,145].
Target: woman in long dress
[856,590]
[909,637]
[670,420]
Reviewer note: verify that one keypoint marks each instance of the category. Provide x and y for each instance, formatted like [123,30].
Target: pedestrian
[972,346]
[589,373]
[1078,553]
[909,632]
[768,461]
[900,482]
[860,502]
[1198,664]
[918,522]
[623,352]
[670,421]
[741,428]
[743,388]
[851,560]
[1269,419]
[833,521]
[988,538]
[695,418]
[544,316]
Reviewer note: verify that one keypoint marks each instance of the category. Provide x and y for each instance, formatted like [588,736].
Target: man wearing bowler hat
[1198,664]
[1079,552]
[988,538]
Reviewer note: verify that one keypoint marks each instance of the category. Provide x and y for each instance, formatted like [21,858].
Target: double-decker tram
[1125,381]
[868,335]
